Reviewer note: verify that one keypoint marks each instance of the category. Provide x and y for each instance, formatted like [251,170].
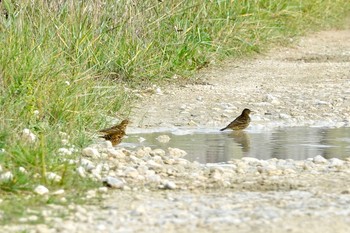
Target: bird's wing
[110,129]
[237,121]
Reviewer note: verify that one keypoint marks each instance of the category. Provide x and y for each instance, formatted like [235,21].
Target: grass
[67,66]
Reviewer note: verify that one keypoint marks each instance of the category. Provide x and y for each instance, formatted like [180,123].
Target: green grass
[65,66]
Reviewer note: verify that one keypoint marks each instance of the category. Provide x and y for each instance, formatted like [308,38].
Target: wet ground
[213,146]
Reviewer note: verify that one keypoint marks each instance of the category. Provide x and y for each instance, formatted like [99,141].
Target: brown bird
[241,122]
[115,133]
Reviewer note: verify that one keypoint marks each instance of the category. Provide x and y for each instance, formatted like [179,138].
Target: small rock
[216,175]
[176,152]
[41,190]
[334,162]
[113,182]
[320,102]
[21,169]
[275,172]
[116,153]
[183,107]
[158,159]
[91,152]
[347,191]
[81,171]
[91,193]
[102,190]
[53,176]
[7,176]
[285,116]
[142,169]
[289,171]
[87,164]
[163,138]
[131,172]
[159,91]
[28,136]
[140,210]
[158,152]
[141,153]
[251,160]
[153,164]
[169,185]
[319,160]
[153,178]
[58,192]
[169,161]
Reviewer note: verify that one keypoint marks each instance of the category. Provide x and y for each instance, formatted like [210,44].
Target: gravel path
[306,84]
[158,191]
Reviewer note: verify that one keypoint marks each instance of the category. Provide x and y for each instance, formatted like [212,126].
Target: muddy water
[212,146]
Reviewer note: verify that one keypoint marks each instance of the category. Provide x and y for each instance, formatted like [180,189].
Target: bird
[241,122]
[115,133]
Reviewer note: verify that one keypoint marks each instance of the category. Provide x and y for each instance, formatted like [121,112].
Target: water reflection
[284,143]
[242,139]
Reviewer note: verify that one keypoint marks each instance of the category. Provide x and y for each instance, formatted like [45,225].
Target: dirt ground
[305,84]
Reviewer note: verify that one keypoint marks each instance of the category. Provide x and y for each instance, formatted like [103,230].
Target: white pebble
[319,160]
[87,164]
[21,169]
[250,160]
[41,190]
[131,172]
[6,176]
[285,116]
[176,152]
[102,189]
[53,176]
[28,136]
[81,171]
[91,152]
[334,162]
[91,194]
[142,169]
[169,184]
[153,178]
[158,152]
[116,153]
[163,138]
[153,164]
[58,192]
[113,182]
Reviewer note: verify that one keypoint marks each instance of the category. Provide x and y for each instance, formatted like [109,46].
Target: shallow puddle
[212,146]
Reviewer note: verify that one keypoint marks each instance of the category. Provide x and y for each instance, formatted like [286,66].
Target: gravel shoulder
[304,84]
